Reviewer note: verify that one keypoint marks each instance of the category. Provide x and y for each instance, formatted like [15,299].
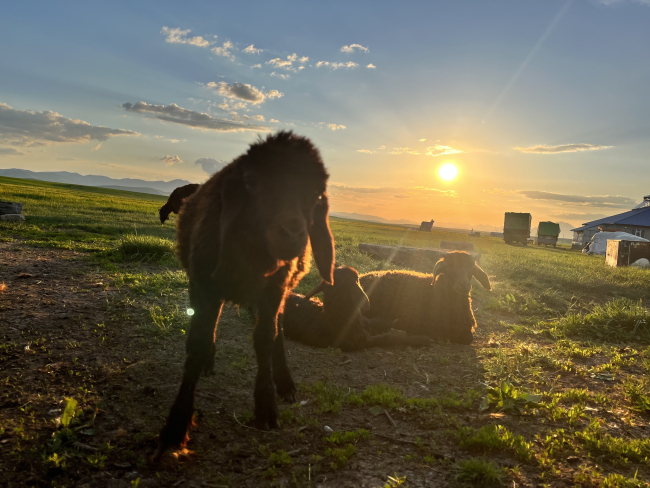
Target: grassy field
[554,390]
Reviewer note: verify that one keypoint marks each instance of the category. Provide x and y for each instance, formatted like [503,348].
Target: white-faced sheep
[437,305]
[338,320]
[176,200]
[243,237]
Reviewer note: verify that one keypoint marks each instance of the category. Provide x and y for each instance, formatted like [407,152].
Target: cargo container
[624,253]
[548,233]
[516,227]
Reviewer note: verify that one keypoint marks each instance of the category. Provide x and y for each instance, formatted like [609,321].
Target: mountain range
[130,184]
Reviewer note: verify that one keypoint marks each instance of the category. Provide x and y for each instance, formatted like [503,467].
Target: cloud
[280,75]
[68,159]
[243,91]
[421,140]
[381,147]
[252,50]
[404,192]
[404,150]
[29,128]
[371,66]
[97,147]
[335,66]
[256,66]
[10,151]
[210,165]
[542,149]
[582,217]
[366,151]
[287,64]
[197,120]
[332,126]
[274,121]
[352,47]
[438,150]
[177,36]
[171,160]
[224,50]
[606,201]
[163,138]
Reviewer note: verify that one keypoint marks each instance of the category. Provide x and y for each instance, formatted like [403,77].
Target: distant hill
[137,189]
[371,218]
[164,187]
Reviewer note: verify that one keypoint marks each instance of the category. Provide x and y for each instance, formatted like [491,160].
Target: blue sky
[542,105]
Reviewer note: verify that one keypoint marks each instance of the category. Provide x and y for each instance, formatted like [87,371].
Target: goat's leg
[266,410]
[281,375]
[200,357]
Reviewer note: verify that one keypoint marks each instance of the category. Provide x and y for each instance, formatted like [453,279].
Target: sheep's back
[402,295]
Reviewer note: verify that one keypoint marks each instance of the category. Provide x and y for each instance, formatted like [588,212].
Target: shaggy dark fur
[244,237]
[338,321]
[175,201]
[437,305]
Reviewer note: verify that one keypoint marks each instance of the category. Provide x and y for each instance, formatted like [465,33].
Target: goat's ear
[482,277]
[438,268]
[319,287]
[322,242]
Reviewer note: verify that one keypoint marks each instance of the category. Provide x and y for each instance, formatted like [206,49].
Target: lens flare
[448,171]
[190,312]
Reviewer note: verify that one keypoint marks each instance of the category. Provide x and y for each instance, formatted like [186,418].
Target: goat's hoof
[286,391]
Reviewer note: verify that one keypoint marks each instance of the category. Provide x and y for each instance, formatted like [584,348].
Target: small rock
[327,429]
[572,459]
[13,218]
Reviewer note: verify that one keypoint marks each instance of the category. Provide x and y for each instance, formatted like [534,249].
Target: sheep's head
[286,182]
[163,216]
[346,295]
[459,268]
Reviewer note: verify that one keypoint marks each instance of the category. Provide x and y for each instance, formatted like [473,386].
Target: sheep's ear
[320,287]
[322,242]
[482,277]
[438,268]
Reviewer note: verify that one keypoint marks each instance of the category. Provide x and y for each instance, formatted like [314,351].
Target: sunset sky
[543,106]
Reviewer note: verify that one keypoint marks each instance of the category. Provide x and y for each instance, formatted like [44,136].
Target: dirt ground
[65,333]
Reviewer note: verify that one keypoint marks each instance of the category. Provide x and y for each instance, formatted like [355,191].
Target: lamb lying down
[338,320]
[438,306]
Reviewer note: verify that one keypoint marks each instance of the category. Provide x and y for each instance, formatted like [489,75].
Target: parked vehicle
[548,233]
[516,227]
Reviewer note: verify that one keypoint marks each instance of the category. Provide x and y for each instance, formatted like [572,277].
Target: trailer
[516,227]
[548,233]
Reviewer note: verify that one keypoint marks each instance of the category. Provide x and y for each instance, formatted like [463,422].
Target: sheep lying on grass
[175,201]
[437,305]
[243,237]
[338,321]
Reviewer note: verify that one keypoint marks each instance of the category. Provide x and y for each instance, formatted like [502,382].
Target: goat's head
[346,295]
[459,267]
[286,182]
[163,215]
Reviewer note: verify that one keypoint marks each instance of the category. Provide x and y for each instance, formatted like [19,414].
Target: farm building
[635,222]
[426,226]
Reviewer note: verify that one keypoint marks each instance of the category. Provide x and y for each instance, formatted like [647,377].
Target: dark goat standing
[437,305]
[243,237]
[175,201]
[338,321]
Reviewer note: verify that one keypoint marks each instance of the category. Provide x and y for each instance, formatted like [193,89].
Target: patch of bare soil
[63,336]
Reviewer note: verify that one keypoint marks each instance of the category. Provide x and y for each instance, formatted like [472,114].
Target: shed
[426,226]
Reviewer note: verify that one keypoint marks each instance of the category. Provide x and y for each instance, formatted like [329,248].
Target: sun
[448,171]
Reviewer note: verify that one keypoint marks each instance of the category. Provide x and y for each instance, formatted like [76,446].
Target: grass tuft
[479,472]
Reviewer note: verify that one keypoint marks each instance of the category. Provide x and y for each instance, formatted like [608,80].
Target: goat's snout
[463,287]
[288,237]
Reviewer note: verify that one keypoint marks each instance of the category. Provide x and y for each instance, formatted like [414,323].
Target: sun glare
[448,171]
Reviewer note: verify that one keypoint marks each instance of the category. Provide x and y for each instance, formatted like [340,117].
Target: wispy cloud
[335,66]
[288,64]
[282,76]
[605,201]
[210,165]
[252,50]
[582,217]
[174,35]
[366,151]
[332,126]
[197,120]
[371,66]
[413,191]
[10,151]
[29,128]
[224,50]
[243,91]
[438,150]
[405,150]
[171,160]
[352,47]
[543,149]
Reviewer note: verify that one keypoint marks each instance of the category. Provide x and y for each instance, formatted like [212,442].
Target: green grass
[479,472]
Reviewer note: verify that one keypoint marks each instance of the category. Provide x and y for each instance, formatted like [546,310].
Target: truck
[548,233]
[516,227]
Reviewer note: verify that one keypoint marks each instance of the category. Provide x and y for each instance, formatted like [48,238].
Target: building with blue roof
[635,222]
